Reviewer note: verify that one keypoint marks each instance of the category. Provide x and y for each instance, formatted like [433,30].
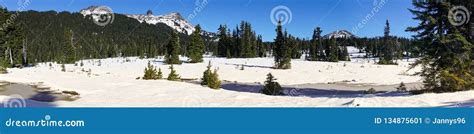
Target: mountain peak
[339,34]
[173,19]
[91,7]
[175,14]
[94,10]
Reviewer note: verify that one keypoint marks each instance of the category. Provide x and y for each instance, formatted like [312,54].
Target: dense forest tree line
[404,47]
[388,48]
[52,35]
[328,49]
[67,37]
[243,42]
[12,41]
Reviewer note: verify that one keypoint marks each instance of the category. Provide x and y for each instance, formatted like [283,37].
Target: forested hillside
[66,37]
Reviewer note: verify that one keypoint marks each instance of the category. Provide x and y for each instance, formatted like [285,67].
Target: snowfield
[112,83]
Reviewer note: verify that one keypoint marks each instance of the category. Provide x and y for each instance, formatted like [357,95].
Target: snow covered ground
[112,83]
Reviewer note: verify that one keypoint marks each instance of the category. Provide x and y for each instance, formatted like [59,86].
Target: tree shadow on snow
[469,103]
[255,66]
[162,62]
[309,92]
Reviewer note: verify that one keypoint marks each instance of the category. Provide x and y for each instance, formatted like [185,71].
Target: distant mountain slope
[340,34]
[173,20]
[48,33]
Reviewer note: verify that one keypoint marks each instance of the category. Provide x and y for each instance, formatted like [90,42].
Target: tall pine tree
[387,48]
[173,49]
[281,50]
[332,51]
[316,52]
[196,47]
[446,52]
[261,49]
[224,41]
[69,49]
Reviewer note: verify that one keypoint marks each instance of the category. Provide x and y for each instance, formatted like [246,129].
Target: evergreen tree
[173,76]
[206,75]
[70,51]
[370,91]
[214,81]
[446,52]
[316,51]
[242,43]
[236,43]
[346,54]
[332,50]
[343,54]
[224,41]
[211,79]
[196,47]
[159,74]
[402,87]
[327,49]
[294,45]
[246,42]
[151,73]
[387,48]
[173,49]
[261,52]
[281,50]
[11,41]
[271,87]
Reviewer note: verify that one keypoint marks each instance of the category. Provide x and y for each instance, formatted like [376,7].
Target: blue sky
[330,15]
